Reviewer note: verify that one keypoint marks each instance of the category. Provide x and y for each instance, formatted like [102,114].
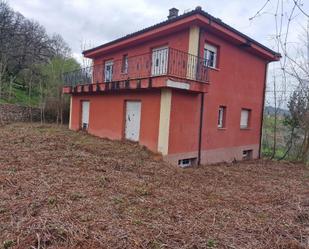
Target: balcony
[162,68]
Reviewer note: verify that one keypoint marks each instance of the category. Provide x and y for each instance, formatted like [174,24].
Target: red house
[191,88]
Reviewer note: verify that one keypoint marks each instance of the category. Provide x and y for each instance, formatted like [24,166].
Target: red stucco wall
[107,113]
[237,83]
[184,122]
[178,40]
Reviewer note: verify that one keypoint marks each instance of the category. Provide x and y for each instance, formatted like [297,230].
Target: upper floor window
[210,55]
[159,63]
[245,118]
[221,116]
[125,64]
[108,71]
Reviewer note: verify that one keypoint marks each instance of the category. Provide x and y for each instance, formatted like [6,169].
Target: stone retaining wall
[10,113]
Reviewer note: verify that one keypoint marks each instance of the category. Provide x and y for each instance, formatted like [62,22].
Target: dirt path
[62,189]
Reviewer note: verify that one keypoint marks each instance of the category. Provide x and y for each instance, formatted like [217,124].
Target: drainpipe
[201,109]
[262,111]
[200,130]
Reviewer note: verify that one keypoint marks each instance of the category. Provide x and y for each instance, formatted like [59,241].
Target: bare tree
[298,69]
[284,15]
[84,45]
[33,59]
[3,66]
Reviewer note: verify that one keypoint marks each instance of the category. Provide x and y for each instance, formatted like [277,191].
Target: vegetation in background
[287,137]
[295,126]
[31,65]
[268,136]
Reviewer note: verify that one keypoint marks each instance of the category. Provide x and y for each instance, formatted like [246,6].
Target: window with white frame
[187,162]
[210,55]
[245,118]
[108,71]
[125,63]
[221,116]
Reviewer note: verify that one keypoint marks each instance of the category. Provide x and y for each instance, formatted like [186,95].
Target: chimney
[173,13]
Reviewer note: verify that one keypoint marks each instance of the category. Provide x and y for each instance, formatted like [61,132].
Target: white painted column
[164,124]
[194,38]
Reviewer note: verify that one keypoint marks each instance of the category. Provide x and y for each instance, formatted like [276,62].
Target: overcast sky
[98,21]
[94,22]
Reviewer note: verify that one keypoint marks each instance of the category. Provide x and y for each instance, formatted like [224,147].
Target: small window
[187,162]
[125,64]
[245,118]
[247,154]
[221,116]
[210,55]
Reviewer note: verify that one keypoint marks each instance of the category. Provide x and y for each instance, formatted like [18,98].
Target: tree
[292,70]
[298,122]
[52,74]
[33,59]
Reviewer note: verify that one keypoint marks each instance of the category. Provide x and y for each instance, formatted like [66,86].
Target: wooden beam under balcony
[134,84]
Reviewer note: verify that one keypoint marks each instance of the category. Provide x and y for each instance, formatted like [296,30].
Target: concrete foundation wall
[228,154]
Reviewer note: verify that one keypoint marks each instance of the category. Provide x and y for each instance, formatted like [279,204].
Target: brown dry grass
[61,189]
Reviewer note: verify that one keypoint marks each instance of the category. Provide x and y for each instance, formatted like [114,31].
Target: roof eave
[197,16]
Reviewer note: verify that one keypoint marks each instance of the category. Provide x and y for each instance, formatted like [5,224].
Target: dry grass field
[63,189]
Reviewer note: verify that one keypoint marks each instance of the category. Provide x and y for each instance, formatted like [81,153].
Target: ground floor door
[133,120]
[85,115]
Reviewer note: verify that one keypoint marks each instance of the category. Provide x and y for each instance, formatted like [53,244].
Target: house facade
[191,88]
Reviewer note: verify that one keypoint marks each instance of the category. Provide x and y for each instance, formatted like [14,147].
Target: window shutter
[244,117]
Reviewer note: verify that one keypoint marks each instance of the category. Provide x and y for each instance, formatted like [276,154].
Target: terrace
[166,67]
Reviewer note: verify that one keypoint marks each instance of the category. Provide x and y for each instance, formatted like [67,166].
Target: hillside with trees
[31,65]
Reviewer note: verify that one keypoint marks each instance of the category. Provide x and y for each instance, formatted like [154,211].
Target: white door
[133,120]
[85,114]
[159,61]
[108,71]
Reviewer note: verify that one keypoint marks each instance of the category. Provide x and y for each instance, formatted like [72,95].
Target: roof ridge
[197,10]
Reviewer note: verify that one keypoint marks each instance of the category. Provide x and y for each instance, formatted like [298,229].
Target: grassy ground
[61,189]
[268,136]
[20,97]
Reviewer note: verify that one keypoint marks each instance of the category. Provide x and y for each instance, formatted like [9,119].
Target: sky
[87,23]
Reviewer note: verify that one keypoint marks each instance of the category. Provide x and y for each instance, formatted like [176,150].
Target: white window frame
[159,61]
[125,64]
[208,49]
[247,154]
[85,114]
[221,116]
[183,163]
[108,63]
[245,118]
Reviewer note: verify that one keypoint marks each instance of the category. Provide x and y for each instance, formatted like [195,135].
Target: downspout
[262,111]
[200,130]
[201,110]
